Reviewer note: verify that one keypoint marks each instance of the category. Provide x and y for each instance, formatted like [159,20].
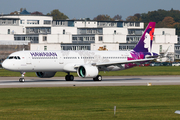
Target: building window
[14,21]
[44,38]
[63,31]
[92,38]
[75,47]
[32,21]
[131,24]
[137,24]
[114,31]
[160,48]
[8,31]
[178,39]
[22,22]
[3,22]
[47,22]
[163,32]
[74,38]
[45,47]
[38,30]
[100,38]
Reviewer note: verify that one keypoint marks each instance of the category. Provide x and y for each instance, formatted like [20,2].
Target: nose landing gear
[22,77]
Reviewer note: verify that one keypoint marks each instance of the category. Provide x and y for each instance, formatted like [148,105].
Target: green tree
[117,17]
[177,26]
[57,15]
[136,17]
[103,18]
[131,18]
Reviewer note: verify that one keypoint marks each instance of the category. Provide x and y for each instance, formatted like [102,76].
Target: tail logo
[145,43]
[149,39]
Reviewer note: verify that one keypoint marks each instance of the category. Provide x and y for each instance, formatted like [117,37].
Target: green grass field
[136,71]
[90,103]
[74,103]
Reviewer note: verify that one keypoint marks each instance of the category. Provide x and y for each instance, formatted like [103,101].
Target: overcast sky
[89,8]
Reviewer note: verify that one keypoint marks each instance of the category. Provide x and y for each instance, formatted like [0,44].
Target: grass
[74,103]
[136,71]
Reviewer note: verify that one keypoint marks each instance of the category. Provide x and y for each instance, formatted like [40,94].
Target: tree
[88,19]
[103,18]
[136,17]
[21,9]
[16,12]
[131,18]
[160,24]
[57,15]
[169,22]
[177,26]
[37,13]
[117,17]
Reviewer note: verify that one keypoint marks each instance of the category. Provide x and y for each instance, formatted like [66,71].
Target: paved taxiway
[13,82]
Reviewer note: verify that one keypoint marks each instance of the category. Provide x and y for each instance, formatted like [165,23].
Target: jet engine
[45,74]
[87,71]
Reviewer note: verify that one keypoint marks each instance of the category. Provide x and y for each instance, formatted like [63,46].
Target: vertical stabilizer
[145,43]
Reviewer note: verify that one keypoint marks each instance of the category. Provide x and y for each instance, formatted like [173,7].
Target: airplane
[86,63]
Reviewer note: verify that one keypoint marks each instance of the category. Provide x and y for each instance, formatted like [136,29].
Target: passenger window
[15,57]
[18,57]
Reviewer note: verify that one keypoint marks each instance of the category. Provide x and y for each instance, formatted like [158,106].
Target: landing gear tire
[22,77]
[69,77]
[98,78]
[21,80]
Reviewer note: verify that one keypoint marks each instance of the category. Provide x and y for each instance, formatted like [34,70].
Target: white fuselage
[35,61]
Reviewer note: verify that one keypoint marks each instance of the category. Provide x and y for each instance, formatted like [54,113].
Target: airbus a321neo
[87,64]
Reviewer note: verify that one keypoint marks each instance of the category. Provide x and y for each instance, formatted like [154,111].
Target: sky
[89,8]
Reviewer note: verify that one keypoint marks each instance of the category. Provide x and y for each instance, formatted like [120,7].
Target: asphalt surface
[13,82]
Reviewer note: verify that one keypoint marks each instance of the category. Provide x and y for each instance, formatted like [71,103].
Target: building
[44,33]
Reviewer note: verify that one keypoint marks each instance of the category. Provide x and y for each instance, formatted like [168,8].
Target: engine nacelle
[87,71]
[45,74]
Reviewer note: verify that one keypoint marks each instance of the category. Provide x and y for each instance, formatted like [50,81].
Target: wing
[117,62]
[122,62]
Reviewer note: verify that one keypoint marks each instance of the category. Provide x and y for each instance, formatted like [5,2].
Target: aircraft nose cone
[5,65]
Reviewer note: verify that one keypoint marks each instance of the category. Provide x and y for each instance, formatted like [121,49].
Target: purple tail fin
[145,43]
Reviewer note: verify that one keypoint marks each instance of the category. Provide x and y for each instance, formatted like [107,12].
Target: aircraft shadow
[83,80]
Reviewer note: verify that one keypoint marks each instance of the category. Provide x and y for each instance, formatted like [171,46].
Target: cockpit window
[14,57]
[11,57]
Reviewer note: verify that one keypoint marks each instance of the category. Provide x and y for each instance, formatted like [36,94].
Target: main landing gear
[69,77]
[98,78]
[22,77]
